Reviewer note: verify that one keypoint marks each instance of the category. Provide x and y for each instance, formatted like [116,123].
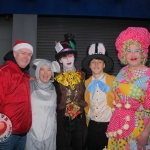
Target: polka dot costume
[132,107]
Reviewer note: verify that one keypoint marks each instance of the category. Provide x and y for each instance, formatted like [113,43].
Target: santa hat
[22,44]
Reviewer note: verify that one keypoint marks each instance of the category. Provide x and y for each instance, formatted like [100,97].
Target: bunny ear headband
[54,65]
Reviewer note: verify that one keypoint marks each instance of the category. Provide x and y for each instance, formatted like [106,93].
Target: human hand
[32,78]
[142,140]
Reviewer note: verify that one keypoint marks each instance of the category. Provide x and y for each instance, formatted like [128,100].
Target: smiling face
[67,61]
[126,47]
[45,73]
[97,66]
[22,57]
[134,56]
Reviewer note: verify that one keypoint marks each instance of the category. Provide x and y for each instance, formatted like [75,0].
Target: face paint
[68,61]
[134,56]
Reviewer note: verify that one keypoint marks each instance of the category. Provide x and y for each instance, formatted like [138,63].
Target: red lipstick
[133,59]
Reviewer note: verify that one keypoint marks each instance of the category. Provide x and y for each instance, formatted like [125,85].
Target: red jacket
[15,97]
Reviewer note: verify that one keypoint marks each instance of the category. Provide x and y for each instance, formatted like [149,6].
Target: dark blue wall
[102,8]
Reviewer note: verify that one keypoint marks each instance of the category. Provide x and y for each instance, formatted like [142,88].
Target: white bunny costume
[42,135]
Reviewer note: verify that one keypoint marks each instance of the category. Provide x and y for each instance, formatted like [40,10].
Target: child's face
[97,66]
[45,73]
[67,61]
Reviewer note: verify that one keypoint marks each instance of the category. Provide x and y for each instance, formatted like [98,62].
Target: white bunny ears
[54,65]
[97,49]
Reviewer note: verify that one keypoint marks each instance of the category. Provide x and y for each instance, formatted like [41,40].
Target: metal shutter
[86,32]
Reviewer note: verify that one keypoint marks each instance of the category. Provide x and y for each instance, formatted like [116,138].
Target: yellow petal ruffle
[69,78]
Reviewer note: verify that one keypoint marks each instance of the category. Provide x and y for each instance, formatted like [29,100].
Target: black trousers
[96,135]
[73,133]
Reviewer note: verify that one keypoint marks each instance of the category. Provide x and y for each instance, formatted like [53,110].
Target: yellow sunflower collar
[69,78]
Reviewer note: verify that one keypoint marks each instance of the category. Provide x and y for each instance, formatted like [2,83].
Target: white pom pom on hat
[19,44]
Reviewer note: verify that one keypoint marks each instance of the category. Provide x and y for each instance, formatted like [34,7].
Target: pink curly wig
[138,34]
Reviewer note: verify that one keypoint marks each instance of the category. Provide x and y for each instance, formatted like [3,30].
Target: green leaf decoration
[72,44]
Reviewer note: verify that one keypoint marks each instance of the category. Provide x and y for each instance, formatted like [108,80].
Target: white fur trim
[22,45]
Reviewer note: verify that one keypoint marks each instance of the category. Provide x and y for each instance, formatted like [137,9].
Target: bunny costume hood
[54,66]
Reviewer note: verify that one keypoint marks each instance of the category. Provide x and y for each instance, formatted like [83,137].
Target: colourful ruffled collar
[69,78]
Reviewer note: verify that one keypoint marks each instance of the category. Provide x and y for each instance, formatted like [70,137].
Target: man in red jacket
[15,108]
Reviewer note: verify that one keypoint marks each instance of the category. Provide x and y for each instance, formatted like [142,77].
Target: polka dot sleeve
[146,103]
